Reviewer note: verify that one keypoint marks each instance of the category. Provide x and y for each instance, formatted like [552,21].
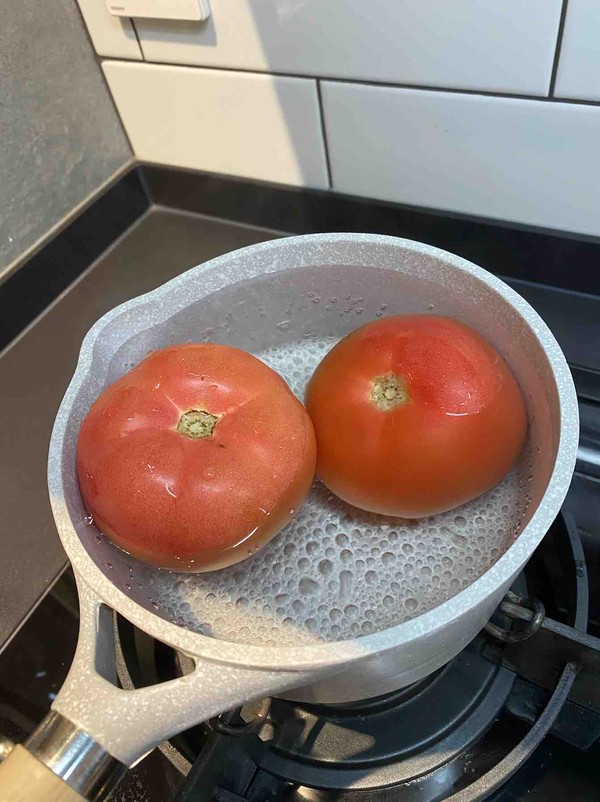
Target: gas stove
[514,716]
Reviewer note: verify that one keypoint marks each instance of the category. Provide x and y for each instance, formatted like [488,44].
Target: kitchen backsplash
[488,108]
[60,137]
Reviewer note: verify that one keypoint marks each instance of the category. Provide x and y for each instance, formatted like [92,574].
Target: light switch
[196,10]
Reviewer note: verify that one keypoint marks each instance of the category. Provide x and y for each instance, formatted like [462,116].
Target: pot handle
[96,730]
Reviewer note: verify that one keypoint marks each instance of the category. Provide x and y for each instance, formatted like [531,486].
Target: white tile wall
[257,126]
[533,162]
[579,66]
[516,159]
[496,45]
[111,36]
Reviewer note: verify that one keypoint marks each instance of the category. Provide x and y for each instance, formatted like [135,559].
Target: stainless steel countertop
[35,371]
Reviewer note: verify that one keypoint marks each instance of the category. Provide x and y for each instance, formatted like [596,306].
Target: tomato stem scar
[197,423]
[388,392]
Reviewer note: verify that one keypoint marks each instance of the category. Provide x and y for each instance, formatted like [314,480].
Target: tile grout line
[362,82]
[137,38]
[559,40]
[324,134]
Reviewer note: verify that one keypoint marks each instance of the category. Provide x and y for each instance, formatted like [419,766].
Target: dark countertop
[36,369]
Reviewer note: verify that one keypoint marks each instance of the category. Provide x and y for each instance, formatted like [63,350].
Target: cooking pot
[283,291]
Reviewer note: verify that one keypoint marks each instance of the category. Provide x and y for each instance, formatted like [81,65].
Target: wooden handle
[23,778]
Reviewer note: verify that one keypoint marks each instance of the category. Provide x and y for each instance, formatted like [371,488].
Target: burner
[458,734]
[391,739]
[396,739]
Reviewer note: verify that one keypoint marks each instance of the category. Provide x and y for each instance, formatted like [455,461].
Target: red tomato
[414,415]
[195,458]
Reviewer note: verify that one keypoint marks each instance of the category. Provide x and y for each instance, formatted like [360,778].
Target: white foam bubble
[336,572]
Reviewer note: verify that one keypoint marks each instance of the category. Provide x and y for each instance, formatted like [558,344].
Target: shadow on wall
[288,17]
[258,37]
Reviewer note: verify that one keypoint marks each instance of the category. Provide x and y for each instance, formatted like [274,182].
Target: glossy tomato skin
[195,504]
[455,432]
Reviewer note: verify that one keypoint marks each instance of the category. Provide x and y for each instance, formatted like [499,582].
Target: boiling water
[336,572]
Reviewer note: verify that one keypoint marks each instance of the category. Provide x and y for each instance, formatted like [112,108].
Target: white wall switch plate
[196,10]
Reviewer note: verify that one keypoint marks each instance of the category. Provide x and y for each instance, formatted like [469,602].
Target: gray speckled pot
[408,276]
